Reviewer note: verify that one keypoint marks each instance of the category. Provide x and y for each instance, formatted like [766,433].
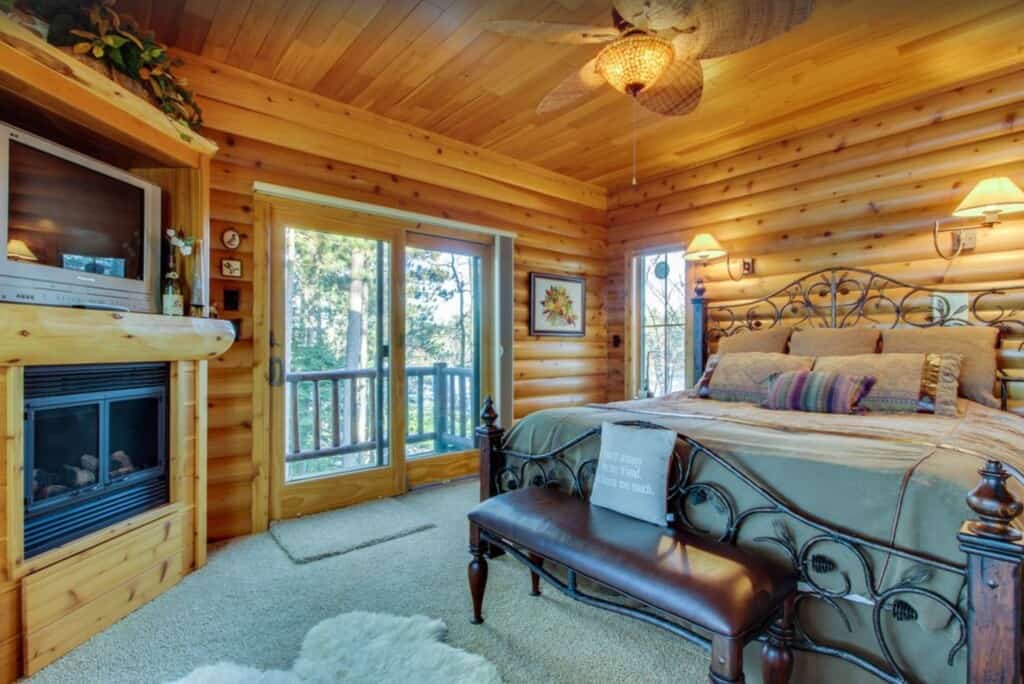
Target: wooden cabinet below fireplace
[53,601]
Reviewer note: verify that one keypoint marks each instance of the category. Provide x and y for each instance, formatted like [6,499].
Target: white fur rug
[365,648]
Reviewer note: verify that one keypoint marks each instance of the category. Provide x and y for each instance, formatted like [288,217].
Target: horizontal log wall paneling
[555,234]
[858,192]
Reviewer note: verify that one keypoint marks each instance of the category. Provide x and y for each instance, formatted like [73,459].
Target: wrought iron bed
[988,624]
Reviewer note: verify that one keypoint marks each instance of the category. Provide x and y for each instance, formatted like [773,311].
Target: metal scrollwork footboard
[891,604]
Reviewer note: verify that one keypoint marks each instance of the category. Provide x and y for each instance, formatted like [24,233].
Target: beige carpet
[253,605]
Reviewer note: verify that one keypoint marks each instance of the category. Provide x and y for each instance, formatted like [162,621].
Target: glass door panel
[336,366]
[443,341]
[661,280]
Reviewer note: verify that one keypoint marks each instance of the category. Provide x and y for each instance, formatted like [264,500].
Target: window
[661,339]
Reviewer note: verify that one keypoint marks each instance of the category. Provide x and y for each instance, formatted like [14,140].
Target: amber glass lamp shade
[990,198]
[704,247]
[634,62]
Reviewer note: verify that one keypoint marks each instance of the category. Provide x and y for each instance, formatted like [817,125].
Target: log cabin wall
[856,192]
[273,133]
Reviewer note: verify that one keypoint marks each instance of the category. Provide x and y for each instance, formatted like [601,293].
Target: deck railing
[334,412]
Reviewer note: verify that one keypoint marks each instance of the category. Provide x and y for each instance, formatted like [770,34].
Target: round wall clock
[231,238]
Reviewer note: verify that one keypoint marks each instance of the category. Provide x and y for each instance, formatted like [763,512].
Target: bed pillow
[817,392]
[772,340]
[742,377]
[834,341]
[977,344]
[905,383]
[632,472]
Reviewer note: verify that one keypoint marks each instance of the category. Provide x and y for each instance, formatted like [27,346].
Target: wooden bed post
[700,319]
[488,438]
[995,555]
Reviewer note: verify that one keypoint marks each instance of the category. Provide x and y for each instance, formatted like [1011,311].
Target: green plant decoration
[93,28]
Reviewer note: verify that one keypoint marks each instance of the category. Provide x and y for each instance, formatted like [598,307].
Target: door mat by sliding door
[315,537]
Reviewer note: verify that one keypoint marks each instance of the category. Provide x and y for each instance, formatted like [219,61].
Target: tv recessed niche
[75,231]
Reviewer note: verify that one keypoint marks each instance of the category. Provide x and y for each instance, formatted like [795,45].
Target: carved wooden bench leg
[726,660]
[477,572]
[777,656]
[534,577]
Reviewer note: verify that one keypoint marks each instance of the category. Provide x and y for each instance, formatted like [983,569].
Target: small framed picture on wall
[558,305]
[231,268]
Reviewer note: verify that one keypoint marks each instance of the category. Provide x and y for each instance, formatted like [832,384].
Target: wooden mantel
[41,335]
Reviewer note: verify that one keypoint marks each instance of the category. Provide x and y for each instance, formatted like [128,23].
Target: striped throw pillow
[817,392]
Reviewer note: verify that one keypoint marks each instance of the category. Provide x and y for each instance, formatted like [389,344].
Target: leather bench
[713,586]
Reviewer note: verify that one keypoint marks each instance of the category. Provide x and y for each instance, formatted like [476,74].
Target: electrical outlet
[965,240]
[748,267]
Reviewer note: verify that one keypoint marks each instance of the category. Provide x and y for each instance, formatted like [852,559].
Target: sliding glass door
[336,284]
[336,374]
[377,356]
[443,317]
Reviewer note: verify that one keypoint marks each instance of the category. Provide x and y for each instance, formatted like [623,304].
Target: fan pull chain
[634,138]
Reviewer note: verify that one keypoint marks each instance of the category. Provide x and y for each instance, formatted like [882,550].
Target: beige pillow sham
[772,340]
[976,344]
[744,376]
[904,383]
[834,341]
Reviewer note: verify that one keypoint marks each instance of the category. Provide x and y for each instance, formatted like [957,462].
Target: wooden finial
[995,505]
[488,416]
[699,289]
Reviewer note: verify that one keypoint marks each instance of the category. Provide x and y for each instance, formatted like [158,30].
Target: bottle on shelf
[173,299]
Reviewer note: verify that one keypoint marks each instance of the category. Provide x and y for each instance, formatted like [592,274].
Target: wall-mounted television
[75,231]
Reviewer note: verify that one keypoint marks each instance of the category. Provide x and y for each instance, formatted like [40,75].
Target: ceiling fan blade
[728,26]
[654,15]
[677,91]
[577,86]
[573,34]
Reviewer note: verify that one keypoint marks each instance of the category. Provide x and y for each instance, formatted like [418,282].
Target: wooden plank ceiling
[430,63]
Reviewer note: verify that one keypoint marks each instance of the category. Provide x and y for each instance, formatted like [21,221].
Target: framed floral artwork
[558,305]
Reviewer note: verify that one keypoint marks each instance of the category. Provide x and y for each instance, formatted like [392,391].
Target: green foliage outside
[333,292]
[663,327]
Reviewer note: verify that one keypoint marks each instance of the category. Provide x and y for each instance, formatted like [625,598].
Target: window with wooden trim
[660,334]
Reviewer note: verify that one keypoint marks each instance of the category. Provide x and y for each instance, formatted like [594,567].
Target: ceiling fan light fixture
[634,62]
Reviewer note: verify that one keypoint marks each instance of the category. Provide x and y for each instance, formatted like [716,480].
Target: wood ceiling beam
[245,103]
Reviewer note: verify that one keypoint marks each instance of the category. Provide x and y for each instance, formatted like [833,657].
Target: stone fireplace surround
[55,600]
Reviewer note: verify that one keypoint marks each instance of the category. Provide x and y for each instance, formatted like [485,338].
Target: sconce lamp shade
[19,251]
[704,247]
[992,196]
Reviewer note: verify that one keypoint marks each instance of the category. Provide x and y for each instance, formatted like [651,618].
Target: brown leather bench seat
[714,585]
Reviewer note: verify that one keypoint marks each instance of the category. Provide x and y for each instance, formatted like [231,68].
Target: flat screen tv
[75,231]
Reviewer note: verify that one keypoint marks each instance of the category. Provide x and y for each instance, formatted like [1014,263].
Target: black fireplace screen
[95,448]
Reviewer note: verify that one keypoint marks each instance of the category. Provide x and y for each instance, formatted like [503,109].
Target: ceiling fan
[654,47]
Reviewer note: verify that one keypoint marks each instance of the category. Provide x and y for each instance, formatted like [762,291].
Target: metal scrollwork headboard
[844,297]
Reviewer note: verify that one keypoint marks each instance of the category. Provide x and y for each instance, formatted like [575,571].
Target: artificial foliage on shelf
[94,29]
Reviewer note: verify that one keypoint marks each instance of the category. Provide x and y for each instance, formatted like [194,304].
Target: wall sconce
[704,248]
[988,200]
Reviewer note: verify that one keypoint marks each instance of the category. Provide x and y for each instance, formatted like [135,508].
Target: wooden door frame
[269,488]
[444,467]
[289,500]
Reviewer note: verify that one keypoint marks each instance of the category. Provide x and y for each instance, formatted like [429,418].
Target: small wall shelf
[56,82]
